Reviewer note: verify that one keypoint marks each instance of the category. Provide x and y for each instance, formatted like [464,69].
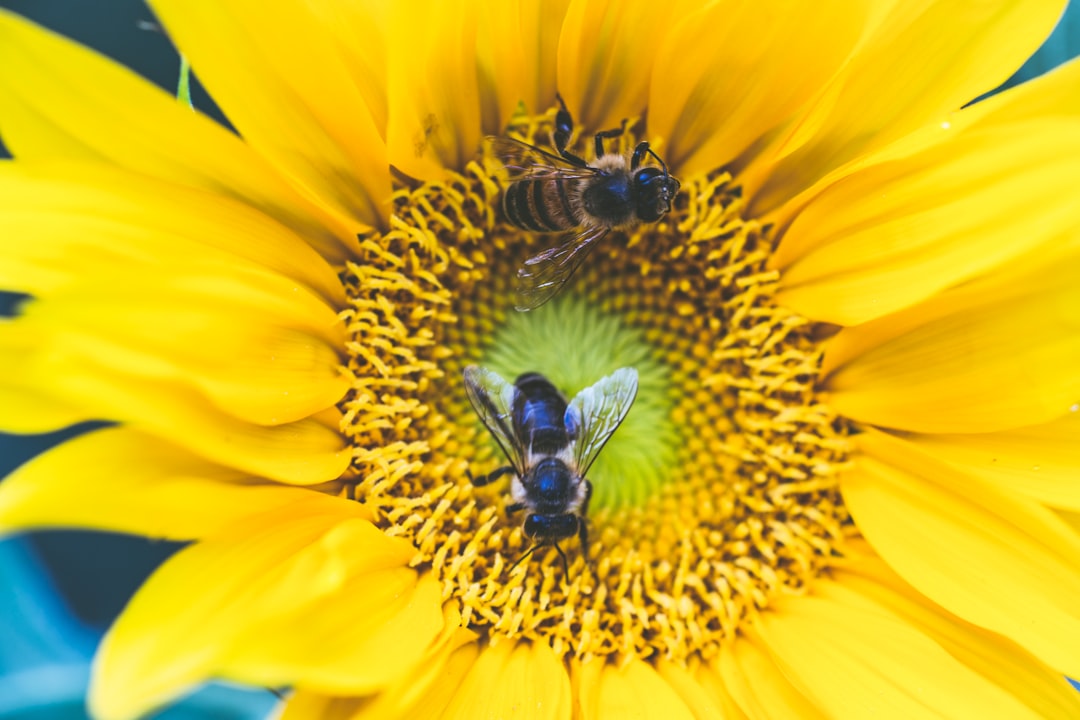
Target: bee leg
[565,565]
[573,159]
[639,153]
[583,536]
[514,507]
[490,477]
[582,527]
[564,128]
[600,137]
[564,125]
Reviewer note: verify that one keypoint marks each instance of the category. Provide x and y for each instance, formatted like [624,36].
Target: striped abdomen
[541,205]
[539,414]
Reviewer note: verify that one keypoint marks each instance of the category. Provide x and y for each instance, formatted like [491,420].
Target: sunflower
[847,487]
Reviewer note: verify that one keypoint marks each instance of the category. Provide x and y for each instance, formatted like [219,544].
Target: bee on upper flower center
[550,444]
[562,192]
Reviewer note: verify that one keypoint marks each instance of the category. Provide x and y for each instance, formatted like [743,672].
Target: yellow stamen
[747,508]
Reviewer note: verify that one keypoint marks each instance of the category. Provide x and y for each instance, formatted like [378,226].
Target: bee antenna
[657,158]
[530,551]
[527,554]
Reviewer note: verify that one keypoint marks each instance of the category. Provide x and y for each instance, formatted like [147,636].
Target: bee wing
[595,413]
[493,398]
[524,161]
[542,276]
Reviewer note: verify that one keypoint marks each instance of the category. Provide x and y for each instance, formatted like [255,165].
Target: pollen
[717,495]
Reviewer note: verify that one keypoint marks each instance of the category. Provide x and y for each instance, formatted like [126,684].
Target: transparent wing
[524,161]
[595,413]
[492,398]
[542,276]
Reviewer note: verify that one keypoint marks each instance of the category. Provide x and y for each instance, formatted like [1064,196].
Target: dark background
[59,590]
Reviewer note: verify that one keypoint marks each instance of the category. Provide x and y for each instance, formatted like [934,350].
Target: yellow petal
[375,629]
[437,679]
[252,352]
[312,595]
[440,692]
[304,452]
[987,356]
[28,412]
[730,74]
[698,699]
[606,54]
[59,222]
[408,697]
[633,690]
[757,684]
[519,43]
[436,113]
[121,480]
[999,660]
[516,680]
[709,679]
[307,705]
[1039,461]
[424,691]
[1052,94]
[291,95]
[994,558]
[365,61]
[61,101]
[854,656]
[921,61]
[897,232]
[26,409]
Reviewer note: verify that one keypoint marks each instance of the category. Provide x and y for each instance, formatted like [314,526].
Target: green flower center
[574,344]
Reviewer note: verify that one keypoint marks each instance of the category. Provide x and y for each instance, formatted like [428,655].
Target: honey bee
[550,445]
[549,193]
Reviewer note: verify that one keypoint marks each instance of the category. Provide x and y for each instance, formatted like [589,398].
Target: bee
[550,445]
[549,193]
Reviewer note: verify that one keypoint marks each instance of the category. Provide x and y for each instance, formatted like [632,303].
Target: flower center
[718,491]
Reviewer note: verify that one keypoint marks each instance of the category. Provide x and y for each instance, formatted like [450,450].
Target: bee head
[654,190]
[551,527]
